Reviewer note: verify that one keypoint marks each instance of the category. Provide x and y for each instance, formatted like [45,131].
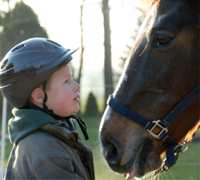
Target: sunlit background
[62,21]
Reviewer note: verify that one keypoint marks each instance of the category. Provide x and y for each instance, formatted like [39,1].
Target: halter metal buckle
[157,125]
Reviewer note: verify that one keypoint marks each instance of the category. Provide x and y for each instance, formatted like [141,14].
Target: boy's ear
[37,95]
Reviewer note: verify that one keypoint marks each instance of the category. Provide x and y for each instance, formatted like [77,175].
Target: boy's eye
[66,81]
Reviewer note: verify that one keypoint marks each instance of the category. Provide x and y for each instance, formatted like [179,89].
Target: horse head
[162,68]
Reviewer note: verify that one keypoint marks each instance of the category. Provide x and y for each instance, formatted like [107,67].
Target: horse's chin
[139,164]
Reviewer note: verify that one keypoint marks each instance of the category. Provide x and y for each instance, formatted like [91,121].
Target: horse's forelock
[147,4]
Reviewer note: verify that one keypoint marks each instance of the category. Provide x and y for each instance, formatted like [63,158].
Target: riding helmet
[28,65]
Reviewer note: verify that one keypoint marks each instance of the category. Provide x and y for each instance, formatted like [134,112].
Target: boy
[37,81]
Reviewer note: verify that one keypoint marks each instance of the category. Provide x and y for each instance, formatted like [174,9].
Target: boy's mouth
[76,98]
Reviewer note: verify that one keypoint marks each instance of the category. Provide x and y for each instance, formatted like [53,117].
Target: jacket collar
[26,121]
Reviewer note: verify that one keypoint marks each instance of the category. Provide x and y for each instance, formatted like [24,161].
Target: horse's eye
[162,41]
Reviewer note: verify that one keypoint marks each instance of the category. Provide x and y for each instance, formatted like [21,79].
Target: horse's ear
[195,3]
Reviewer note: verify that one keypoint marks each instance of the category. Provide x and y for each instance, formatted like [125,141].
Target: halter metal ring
[157,124]
[178,148]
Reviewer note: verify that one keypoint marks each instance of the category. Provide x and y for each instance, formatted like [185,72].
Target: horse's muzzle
[111,151]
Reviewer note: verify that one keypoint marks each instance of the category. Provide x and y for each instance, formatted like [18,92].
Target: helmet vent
[49,46]
[4,63]
[18,47]
[53,42]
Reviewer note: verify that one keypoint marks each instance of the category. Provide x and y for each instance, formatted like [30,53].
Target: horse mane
[149,3]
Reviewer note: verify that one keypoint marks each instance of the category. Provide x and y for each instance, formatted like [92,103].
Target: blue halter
[162,124]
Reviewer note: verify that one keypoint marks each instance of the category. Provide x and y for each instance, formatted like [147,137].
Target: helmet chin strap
[51,113]
[45,108]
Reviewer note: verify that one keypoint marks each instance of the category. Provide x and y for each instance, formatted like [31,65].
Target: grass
[187,167]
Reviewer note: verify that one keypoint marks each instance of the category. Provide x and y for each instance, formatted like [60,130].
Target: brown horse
[162,69]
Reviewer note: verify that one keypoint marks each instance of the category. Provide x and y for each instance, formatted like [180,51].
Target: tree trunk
[82,46]
[107,47]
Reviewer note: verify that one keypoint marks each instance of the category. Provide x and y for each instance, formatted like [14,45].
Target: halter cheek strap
[163,124]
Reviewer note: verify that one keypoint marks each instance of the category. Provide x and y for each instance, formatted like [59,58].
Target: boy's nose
[77,87]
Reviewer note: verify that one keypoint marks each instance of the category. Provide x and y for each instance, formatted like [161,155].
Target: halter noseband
[174,146]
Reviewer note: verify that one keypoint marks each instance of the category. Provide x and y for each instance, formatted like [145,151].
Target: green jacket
[44,148]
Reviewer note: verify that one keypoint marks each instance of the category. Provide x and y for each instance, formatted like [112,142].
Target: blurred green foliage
[20,23]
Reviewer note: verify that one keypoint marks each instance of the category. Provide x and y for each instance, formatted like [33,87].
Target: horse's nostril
[112,153]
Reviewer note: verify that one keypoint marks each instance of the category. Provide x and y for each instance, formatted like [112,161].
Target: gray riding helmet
[28,65]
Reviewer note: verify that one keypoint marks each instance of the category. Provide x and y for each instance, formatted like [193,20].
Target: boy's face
[62,92]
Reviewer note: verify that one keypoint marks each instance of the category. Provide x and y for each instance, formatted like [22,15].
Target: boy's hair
[48,81]
[28,65]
